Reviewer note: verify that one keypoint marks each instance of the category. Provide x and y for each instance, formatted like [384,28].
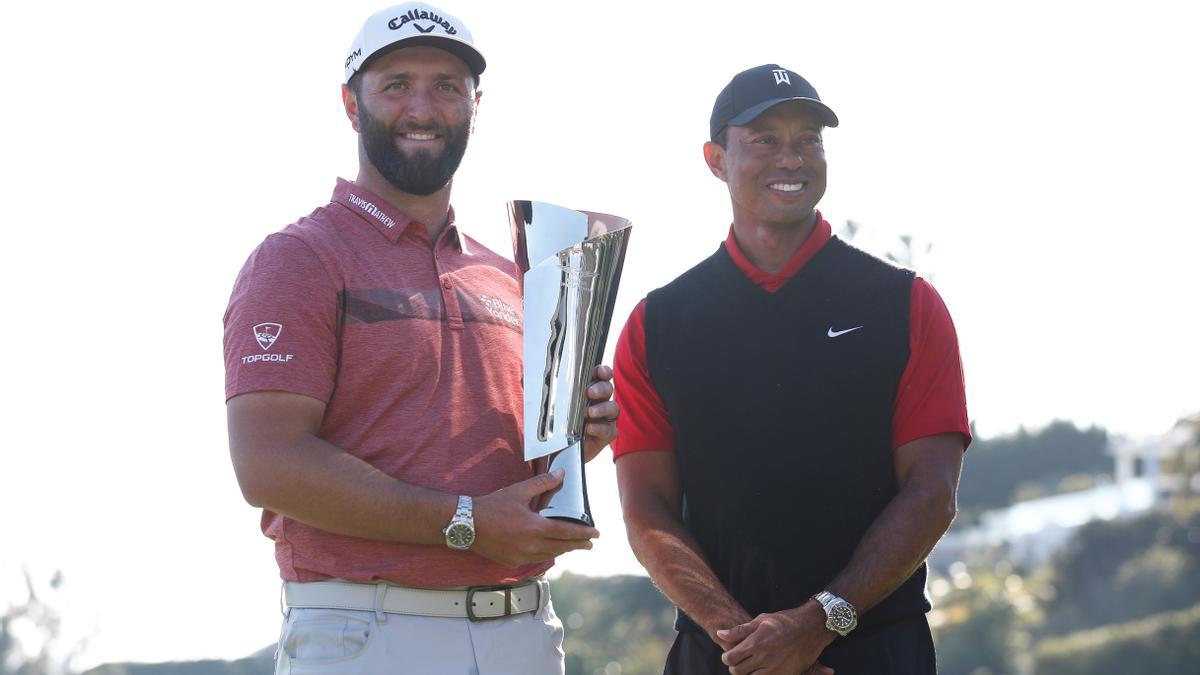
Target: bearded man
[373,384]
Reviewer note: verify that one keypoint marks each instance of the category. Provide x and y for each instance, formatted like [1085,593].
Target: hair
[355,84]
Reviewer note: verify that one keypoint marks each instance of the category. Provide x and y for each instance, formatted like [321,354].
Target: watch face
[841,617]
[460,535]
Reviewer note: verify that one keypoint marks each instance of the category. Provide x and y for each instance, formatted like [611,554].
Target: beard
[418,173]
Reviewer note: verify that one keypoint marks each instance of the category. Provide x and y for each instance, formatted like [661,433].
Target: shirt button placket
[449,296]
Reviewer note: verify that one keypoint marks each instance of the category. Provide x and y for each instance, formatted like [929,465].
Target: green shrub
[1164,644]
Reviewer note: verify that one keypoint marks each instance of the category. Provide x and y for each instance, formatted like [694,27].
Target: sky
[1045,150]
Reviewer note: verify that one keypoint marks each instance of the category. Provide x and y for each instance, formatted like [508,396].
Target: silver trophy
[570,263]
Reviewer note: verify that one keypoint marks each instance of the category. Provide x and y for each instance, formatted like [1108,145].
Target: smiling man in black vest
[785,494]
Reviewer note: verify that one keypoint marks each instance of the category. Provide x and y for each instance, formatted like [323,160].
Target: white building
[1031,531]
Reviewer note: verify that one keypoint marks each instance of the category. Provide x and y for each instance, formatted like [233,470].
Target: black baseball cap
[751,92]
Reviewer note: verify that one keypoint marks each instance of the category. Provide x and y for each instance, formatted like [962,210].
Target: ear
[350,103]
[475,108]
[714,156]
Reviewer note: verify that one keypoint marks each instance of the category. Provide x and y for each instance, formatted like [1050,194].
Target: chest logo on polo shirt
[267,334]
[500,309]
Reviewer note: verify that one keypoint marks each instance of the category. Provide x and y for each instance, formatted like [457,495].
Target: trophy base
[570,501]
[563,514]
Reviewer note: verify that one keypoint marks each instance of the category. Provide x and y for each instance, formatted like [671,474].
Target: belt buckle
[472,590]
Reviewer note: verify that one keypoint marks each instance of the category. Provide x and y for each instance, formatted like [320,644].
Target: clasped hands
[786,643]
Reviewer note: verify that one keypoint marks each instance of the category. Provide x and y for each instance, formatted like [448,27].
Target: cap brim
[748,115]
[462,50]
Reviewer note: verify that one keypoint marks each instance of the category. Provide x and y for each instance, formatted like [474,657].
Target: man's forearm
[895,545]
[321,485]
[893,548]
[282,465]
[672,557]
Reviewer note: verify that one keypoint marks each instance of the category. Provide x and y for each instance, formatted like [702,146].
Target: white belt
[477,603]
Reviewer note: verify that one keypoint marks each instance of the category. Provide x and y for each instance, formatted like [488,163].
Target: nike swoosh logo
[835,333]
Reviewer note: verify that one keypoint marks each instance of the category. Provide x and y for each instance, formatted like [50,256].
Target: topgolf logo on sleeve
[266,334]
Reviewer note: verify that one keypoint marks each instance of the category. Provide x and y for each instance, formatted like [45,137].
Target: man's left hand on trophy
[601,427]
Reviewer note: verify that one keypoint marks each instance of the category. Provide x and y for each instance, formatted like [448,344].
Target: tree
[1184,461]
[905,250]
[999,470]
[617,624]
[30,642]
[1127,569]
[1165,644]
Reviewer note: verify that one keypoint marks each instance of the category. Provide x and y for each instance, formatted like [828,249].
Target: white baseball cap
[410,25]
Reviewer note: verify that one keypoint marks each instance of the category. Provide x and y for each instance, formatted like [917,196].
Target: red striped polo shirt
[415,347]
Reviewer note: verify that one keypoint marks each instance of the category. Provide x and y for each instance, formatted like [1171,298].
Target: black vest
[781,404]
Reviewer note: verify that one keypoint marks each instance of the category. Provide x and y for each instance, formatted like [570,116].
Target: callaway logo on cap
[751,92]
[410,25]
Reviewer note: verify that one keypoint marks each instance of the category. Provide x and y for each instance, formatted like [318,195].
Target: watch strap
[463,515]
[828,601]
[464,510]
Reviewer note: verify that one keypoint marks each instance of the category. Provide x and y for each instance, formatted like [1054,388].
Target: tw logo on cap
[781,76]
[267,334]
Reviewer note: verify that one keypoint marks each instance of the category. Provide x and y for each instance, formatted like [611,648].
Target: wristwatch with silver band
[840,616]
[460,533]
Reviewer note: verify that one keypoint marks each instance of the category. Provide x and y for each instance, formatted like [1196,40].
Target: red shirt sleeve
[281,324]
[932,396]
[643,423]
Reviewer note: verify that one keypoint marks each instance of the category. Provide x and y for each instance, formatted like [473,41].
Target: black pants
[901,648]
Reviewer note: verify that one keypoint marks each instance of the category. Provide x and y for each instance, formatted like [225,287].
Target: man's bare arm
[927,473]
[900,539]
[651,502]
[282,465]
